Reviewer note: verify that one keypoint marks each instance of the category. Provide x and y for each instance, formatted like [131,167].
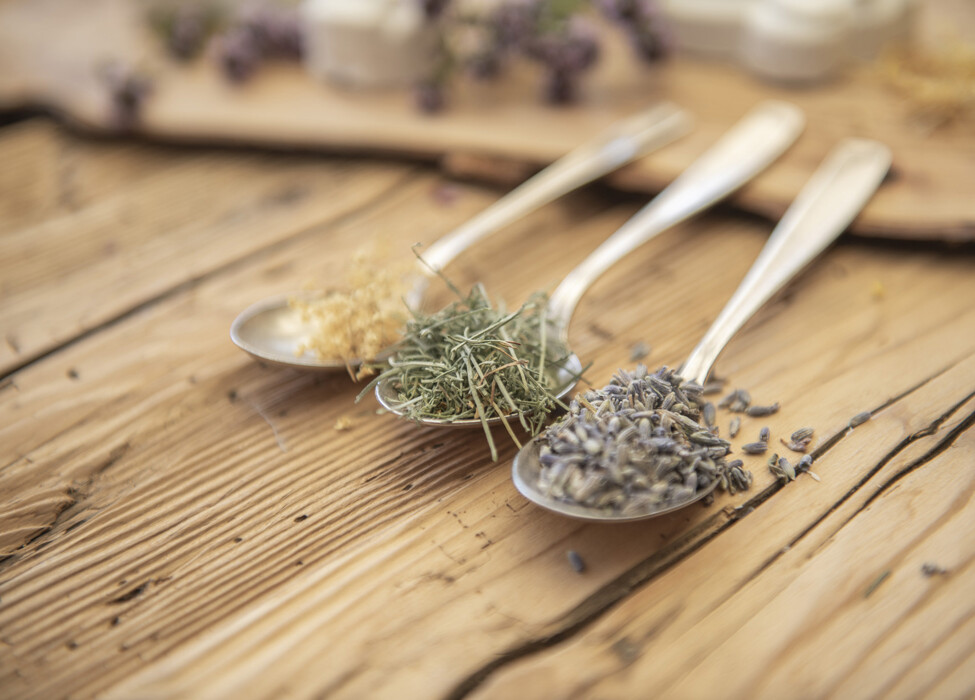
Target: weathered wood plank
[113,248]
[417,553]
[284,107]
[771,608]
[46,172]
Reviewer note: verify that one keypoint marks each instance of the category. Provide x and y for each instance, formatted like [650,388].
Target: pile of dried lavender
[636,446]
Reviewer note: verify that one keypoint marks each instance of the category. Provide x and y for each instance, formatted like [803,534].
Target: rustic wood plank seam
[76,496]
[932,454]
[144,584]
[930,429]
[601,602]
[948,634]
[946,442]
[226,267]
[939,447]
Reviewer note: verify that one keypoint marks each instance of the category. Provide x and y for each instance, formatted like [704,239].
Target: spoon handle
[614,147]
[747,149]
[827,204]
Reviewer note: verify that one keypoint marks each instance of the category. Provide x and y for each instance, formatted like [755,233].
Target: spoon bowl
[386,394]
[272,331]
[525,473]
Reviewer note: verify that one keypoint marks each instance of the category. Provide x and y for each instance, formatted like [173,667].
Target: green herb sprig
[475,360]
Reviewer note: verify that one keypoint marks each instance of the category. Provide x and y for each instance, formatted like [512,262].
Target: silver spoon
[741,154]
[271,330]
[824,208]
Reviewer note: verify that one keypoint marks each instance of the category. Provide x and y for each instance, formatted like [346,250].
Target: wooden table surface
[179,521]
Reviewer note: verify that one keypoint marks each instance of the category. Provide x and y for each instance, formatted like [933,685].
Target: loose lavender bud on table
[760,411]
[755,448]
[576,561]
[734,426]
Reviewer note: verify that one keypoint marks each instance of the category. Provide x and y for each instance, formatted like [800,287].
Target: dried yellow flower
[360,323]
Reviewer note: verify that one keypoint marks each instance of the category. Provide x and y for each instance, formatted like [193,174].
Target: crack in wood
[75,496]
[944,444]
[609,596]
[605,599]
[832,442]
[188,284]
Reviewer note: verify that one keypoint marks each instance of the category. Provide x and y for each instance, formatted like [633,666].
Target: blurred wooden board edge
[497,133]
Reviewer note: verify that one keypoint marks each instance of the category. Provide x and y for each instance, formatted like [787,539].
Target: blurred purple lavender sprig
[557,35]
[241,43]
[258,34]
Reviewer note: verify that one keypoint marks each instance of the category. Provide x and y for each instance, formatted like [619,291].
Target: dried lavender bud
[764,434]
[739,479]
[802,434]
[737,401]
[712,388]
[755,448]
[759,411]
[860,419]
[786,468]
[639,351]
[734,426]
[800,446]
[709,414]
[576,561]
[804,467]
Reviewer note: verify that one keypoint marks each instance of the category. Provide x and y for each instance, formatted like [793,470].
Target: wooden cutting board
[51,50]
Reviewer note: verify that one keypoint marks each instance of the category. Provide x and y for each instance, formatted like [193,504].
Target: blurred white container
[709,27]
[789,40]
[880,22]
[797,40]
[367,43]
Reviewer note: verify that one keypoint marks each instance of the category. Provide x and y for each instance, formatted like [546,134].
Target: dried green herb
[475,360]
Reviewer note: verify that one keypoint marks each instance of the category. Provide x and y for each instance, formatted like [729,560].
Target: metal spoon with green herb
[747,149]
[824,208]
[272,330]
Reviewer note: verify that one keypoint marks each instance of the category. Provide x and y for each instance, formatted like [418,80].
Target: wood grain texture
[74,259]
[929,196]
[179,521]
